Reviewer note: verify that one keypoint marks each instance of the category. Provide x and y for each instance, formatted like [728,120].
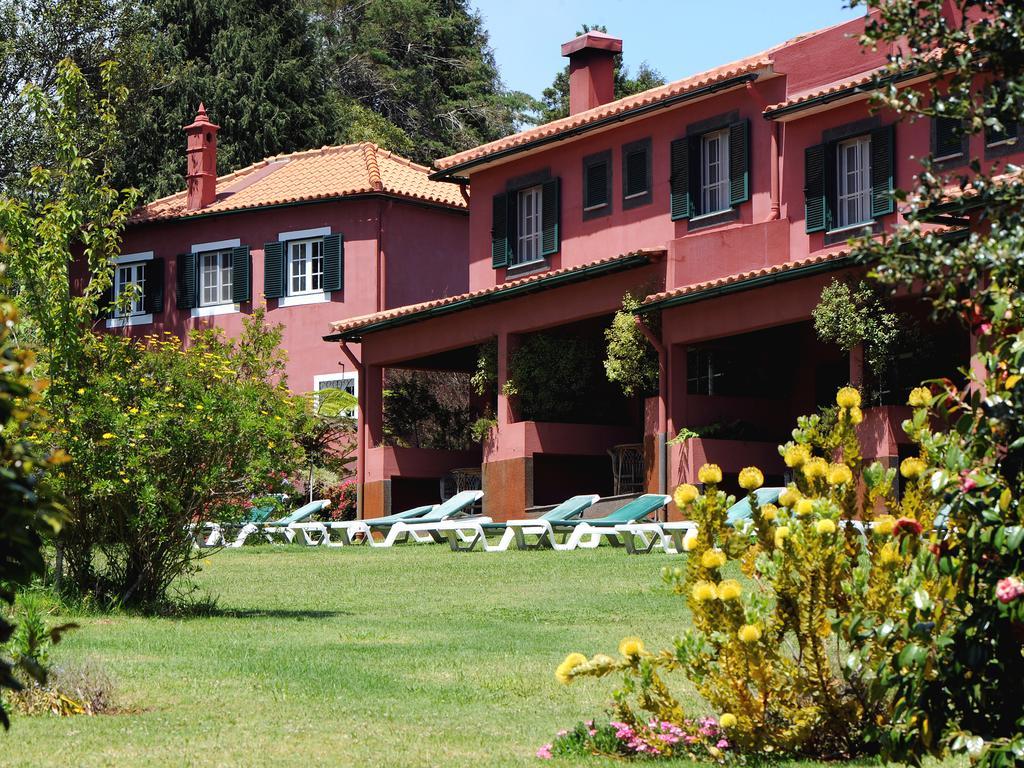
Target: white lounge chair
[464,535]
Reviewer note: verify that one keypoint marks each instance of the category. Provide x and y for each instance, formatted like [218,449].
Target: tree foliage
[28,515]
[962,691]
[554,102]
[630,361]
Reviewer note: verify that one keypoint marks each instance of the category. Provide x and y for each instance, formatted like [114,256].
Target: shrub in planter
[787,656]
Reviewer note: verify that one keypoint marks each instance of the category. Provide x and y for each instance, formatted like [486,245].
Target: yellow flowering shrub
[786,605]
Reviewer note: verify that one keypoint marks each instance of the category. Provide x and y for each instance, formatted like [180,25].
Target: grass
[414,656]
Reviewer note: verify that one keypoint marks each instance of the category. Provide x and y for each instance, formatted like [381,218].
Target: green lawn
[415,656]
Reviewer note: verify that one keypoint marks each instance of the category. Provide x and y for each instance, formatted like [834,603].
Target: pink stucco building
[725,200]
[312,236]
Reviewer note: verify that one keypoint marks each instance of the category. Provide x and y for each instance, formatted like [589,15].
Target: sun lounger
[464,535]
[584,533]
[422,528]
[281,527]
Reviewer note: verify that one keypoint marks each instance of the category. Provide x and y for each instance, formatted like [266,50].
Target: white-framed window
[215,277]
[126,276]
[529,225]
[714,172]
[347,382]
[305,266]
[853,182]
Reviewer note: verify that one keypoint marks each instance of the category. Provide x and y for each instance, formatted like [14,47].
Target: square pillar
[506,410]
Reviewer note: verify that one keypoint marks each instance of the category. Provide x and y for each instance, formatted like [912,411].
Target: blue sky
[676,37]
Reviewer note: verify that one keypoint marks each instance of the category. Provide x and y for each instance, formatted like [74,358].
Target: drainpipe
[775,210]
[381,276]
[662,444]
[360,426]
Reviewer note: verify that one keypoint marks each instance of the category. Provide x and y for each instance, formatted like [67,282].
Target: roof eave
[629,261]
[452,173]
[842,97]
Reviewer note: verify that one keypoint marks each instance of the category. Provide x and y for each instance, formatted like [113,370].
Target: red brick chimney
[202,161]
[591,70]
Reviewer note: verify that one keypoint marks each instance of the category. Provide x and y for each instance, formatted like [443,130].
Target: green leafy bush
[630,361]
[161,438]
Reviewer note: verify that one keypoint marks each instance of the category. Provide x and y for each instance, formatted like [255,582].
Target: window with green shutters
[304,266]
[526,224]
[636,173]
[849,182]
[710,171]
[597,185]
[213,278]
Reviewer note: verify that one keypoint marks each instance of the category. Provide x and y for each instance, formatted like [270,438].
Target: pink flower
[562,732]
[906,525]
[1009,589]
[967,483]
[722,744]
[544,753]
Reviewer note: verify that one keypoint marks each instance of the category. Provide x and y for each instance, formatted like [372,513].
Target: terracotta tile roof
[761,61]
[865,82]
[740,277]
[634,258]
[316,174]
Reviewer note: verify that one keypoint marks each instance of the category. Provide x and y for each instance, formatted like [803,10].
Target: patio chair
[464,535]
[281,526]
[423,529]
[586,533]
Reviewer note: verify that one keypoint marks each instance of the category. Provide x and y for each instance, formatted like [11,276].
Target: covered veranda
[523,462]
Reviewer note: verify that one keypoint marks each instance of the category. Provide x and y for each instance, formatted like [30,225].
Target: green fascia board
[450,174]
[544,283]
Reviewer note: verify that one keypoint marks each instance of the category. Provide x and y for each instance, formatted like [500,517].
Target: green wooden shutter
[595,186]
[499,231]
[635,182]
[550,214]
[949,133]
[739,162]
[106,300]
[186,282]
[679,180]
[273,270]
[241,274]
[334,254]
[882,173]
[815,197]
[153,294]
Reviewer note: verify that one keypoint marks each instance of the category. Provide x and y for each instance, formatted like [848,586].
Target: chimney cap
[201,119]
[593,40]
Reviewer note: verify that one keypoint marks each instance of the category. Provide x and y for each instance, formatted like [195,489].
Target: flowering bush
[787,656]
[701,739]
[343,500]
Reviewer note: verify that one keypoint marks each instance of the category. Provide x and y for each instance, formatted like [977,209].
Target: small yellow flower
[685,494]
[109,435]
[710,474]
[816,467]
[884,525]
[751,478]
[704,590]
[920,397]
[848,397]
[713,558]
[199,406]
[727,720]
[789,497]
[729,589]
[796,455]
[1011,381]
[631,646]
[856,416]
[912,468]
[749,633]
[690,541]
[890,554]
[825,526]
[804,507]
[573,660]
[781,534]
[839,474]
[769,512]
[81,390]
